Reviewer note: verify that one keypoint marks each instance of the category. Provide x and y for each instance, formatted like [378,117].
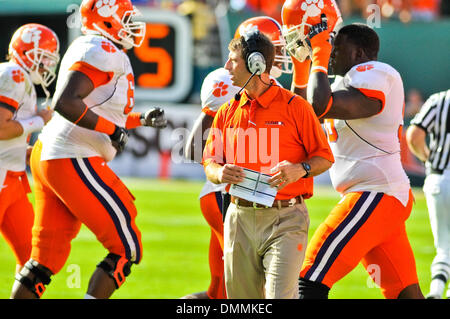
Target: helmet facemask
[296,42]
[43,66]
[132,34]
[128,30]
[282,59]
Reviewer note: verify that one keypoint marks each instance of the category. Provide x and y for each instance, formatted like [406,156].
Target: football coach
[268,130]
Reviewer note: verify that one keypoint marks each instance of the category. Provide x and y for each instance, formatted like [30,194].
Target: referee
[434,120]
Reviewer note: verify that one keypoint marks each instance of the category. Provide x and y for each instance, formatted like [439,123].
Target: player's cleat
[429,296]
[196,295]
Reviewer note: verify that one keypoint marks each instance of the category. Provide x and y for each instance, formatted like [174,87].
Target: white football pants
[437,193]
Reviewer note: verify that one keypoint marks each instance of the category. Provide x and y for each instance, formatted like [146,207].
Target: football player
[363,112]
[216,90]
[297,16]
[93,101]
[33,57]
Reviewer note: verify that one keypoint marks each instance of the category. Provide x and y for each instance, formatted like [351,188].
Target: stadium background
[186,40]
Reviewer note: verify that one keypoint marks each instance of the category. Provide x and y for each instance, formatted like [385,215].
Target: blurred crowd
[403,10]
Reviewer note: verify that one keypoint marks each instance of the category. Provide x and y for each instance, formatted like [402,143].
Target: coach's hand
[119,138]
[154,117]
[231,174]
[286,173]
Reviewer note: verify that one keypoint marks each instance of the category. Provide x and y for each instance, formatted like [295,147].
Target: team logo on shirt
[312,8]
[106,8]
[18,76]
[277,123]
[363,68]
[108,47]
[220,89]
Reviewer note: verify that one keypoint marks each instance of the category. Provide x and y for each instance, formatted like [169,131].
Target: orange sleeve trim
[207,111]
[330,102]
[375,94]
[9,101]
[81,116]
[97,76]
[105,126]
[133,120]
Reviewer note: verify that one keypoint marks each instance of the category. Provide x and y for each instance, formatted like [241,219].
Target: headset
[255,61]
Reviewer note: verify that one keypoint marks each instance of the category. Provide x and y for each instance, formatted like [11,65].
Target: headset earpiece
[255,61]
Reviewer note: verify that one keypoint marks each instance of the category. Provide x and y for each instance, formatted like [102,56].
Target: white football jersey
[367,150]
[16,89]
[113,101]
[217,90]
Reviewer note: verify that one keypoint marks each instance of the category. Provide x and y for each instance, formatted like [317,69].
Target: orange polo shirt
[258,134]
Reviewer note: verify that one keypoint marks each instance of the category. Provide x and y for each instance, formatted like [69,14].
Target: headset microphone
[237,96]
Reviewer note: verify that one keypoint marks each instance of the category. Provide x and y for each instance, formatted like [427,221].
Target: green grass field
[176,237]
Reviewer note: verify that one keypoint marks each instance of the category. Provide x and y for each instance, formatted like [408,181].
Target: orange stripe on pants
[16,217]
[69,192]
[364,227]
[212,213]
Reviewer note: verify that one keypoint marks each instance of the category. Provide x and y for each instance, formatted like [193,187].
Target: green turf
[175,239]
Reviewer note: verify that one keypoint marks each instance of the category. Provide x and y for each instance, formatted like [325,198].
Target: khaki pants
[264,250]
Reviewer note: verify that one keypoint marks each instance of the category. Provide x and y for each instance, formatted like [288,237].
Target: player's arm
[416,139]
[300,76]
[69,103]
[345,102]
[10,128]
[196,141]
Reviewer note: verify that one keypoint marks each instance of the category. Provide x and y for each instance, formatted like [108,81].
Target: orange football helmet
[35,47]
[114,20]
[299,15]
[272,29]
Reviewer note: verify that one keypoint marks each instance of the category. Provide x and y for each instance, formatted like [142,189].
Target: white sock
[87,296]
[437,287]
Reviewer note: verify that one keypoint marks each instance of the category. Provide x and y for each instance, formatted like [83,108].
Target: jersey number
[331,130]
[130,94]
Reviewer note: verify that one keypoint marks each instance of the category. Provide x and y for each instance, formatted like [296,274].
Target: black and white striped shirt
[434,118]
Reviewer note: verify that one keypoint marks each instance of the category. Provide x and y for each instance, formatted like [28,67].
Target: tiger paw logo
[32,35]
[108,47]
[18,76]
[312,8]
[106,8]
[363,68]
[220,89]
[248,29]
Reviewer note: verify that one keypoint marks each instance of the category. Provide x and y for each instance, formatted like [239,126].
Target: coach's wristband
[32,124]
